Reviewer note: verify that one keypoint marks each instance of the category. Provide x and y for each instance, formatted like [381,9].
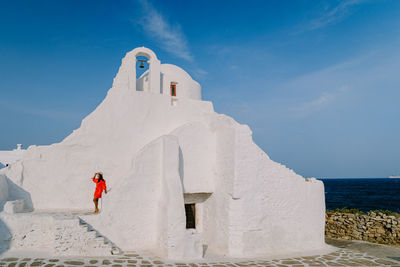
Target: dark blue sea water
[363,194]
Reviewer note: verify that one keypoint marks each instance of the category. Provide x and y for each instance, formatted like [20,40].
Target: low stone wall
[373,227]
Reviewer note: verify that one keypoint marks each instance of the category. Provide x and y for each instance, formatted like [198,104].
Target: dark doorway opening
[190,210]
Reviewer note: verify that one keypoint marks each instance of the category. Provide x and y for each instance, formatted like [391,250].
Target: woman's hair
[100,178]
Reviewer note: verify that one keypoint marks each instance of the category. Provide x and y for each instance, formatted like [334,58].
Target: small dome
[185,86]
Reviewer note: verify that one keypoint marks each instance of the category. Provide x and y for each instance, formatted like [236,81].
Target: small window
[190,210]
[173,89]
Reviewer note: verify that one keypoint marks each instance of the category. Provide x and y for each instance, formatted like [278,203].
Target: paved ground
[350,254]
[377,250]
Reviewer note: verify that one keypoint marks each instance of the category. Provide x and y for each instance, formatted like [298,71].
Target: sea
[362,193]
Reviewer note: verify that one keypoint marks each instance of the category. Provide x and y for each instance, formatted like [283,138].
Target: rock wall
[373,227]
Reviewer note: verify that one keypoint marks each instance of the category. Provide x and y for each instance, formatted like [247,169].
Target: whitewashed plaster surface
[3,188]
[11,156]
[158,152]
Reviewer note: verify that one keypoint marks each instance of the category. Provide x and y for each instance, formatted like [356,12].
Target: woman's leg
[96,205]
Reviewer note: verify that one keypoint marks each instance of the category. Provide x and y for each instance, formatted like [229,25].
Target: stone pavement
[372,249]
[342,257]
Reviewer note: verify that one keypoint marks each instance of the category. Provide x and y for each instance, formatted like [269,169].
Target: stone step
[116,251]
[74,237]
[72,222]
[90,234]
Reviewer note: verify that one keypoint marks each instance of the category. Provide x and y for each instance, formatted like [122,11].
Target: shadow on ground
[377,250]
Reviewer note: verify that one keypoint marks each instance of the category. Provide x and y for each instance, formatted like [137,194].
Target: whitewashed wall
[186,87]
[3,188]
[11,156]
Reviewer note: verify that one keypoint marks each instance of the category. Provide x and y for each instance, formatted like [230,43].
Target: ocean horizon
[364,194]
[321,178]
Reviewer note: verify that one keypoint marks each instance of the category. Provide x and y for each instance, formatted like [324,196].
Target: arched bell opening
[144,70]
[142,73]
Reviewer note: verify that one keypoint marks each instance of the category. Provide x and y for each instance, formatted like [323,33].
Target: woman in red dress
[100,186]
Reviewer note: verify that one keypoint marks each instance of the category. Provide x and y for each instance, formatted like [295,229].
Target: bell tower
[154,68]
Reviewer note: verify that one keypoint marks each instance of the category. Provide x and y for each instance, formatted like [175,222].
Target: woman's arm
[94,178]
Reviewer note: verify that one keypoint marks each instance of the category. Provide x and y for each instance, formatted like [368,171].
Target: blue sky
[318,82]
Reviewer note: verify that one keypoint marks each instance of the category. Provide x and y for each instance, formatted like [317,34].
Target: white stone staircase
[73,236]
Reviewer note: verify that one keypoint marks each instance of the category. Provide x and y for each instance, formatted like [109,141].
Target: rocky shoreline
[374,227]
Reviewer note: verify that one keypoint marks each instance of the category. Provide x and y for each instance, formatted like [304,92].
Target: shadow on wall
[16,192]
[5,237]
[181,170]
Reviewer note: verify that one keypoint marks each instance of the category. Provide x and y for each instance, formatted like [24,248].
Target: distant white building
[186,181]
[11,156]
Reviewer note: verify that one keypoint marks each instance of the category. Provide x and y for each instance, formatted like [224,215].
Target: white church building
[184,181]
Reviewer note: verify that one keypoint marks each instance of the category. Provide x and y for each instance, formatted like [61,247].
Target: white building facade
[185,181]
[10,156]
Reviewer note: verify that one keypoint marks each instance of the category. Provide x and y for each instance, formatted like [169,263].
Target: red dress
[99,188]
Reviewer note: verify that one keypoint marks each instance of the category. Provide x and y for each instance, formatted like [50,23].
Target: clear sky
[317,81]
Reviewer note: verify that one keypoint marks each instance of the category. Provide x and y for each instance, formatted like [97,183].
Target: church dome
[185,87]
